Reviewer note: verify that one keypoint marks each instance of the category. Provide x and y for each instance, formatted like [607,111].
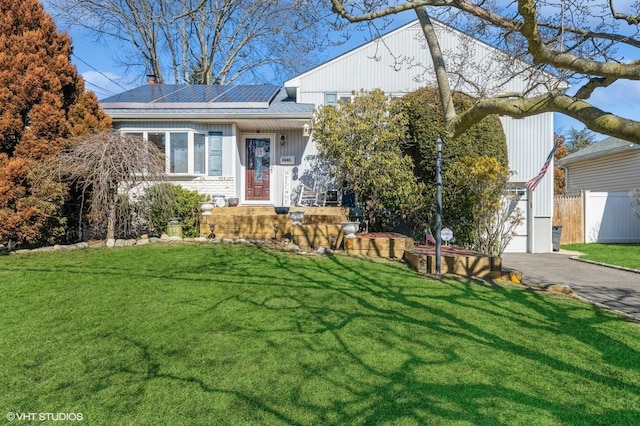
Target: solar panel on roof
[262,93]
[192,94]
[200,94]
[147,93]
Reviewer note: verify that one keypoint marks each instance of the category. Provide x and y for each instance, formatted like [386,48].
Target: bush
[425,125]
[362,142]
[490,217]
[166,201]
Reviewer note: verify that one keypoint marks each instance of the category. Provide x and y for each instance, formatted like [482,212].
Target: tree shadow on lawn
[357,341]
[569,322]
[375,365]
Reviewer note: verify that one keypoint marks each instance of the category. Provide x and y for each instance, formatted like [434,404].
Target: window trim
[191,148]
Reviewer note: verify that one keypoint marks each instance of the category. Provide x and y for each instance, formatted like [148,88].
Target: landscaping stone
[201,239]
[111,242]
[164,237]
[561,288]
[69,247]
[142,241]
[82,245]
[294,248]
[48,248]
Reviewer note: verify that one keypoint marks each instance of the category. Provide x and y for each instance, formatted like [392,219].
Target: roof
[203,101]
[194,96]
[606,146]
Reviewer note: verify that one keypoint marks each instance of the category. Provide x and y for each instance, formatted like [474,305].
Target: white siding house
[399,63]
[611,165]
[251,143]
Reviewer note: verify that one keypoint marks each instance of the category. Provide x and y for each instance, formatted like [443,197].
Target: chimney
[151,79]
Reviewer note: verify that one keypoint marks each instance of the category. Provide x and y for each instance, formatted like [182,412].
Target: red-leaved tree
[42,104]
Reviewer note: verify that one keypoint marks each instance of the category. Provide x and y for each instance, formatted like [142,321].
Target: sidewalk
[613,288]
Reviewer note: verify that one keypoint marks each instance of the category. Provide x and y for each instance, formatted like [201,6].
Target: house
[598,179]
[611,165]
[237,141]
[253,142]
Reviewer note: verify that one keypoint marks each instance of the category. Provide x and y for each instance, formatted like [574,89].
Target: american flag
[533,183]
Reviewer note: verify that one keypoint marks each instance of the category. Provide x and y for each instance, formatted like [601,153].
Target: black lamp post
[439,144]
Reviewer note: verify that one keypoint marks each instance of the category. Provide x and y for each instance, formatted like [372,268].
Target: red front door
[258,168]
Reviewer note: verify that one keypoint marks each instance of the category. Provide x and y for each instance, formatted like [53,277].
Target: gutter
[175,115]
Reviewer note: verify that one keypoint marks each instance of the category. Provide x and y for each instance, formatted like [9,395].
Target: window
[158,140]
[330,98]
[188,152]
[199,149]
[178,152]
[215,154]
[345,99]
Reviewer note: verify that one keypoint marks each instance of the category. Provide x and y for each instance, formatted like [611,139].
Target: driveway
[614,288]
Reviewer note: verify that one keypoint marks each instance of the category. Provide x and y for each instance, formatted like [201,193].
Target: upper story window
[330,98]
[188,152]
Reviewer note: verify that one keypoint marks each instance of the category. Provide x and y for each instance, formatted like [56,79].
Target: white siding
[617,172]
[399,63]
[529,141]
[609,218]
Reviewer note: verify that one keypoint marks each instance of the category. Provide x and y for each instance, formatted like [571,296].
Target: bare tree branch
[205,41]
[517,106]
[578,43]
[108,164]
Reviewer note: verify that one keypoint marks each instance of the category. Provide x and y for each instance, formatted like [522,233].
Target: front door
[258,168]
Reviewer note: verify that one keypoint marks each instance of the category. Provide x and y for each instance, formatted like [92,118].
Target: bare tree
[205,41]
[584,43]
[107,165]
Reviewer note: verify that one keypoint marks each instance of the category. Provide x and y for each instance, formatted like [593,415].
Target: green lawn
[627,255]
[229,334]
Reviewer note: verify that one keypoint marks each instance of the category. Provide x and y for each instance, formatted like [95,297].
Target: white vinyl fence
[609,218]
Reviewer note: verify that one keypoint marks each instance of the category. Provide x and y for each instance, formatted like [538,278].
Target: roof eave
[566,160]
[151,115]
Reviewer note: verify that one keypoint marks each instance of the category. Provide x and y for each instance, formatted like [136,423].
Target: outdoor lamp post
[439,143]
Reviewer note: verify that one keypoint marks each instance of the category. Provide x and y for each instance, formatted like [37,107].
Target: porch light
[283,139]
[306,130]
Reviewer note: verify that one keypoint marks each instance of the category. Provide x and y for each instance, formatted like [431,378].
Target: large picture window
[188,152]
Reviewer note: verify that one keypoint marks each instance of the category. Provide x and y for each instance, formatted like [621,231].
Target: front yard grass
[627,255]
[233,334]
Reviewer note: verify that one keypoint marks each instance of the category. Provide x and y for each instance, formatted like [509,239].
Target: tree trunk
[111,218]
[448,109]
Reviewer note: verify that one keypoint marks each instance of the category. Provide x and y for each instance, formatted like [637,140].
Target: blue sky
[105,78]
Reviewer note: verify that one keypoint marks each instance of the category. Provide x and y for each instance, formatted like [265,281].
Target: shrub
[425,125]
[362,140]
[166,201]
